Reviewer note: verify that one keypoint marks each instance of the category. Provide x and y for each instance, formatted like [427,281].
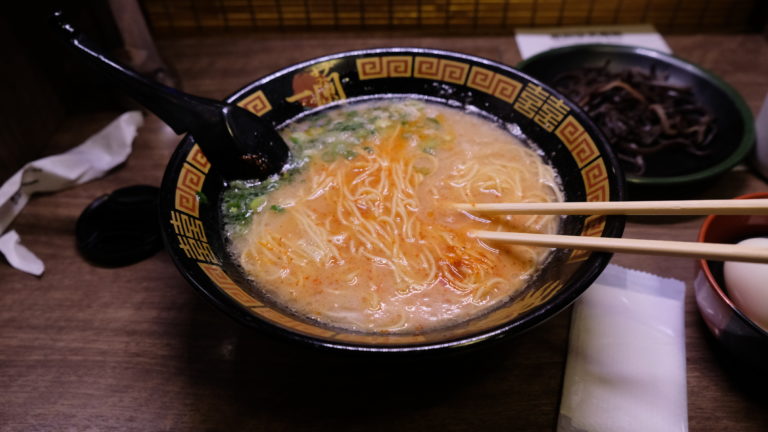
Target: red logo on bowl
[317,85]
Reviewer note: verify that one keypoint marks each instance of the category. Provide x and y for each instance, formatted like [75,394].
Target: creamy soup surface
[360,232]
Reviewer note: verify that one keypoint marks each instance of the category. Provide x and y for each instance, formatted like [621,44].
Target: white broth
[360,232]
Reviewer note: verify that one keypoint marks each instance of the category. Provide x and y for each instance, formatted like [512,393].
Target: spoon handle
[238,142]
[181,111]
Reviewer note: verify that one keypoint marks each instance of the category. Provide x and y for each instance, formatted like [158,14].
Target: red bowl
[738,334]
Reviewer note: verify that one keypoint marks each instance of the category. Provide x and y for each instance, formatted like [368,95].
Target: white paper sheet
[626,360]
[92,159]
[535,40]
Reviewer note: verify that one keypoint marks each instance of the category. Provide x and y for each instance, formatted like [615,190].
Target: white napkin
[626,360]
[90,160]
[531,41]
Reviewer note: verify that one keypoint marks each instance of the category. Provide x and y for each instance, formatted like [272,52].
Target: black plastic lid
[120,228]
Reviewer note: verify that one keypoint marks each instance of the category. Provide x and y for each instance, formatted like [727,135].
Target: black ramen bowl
[192,188]
[674,167]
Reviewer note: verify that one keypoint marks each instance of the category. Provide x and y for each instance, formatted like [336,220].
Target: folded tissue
[90,160]
[626,367]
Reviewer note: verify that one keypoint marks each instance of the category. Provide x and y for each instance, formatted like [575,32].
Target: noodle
[361,234]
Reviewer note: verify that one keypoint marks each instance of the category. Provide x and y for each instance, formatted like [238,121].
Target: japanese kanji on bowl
[570,143]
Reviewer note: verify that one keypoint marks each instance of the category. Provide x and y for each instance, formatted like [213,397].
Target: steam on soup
[359,232]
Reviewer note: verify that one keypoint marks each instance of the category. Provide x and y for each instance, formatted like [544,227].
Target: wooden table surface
[135,348]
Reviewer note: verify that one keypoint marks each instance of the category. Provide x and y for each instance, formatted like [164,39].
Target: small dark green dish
[735,135]
[191,191]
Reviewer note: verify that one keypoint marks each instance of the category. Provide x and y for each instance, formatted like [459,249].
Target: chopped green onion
[257,203]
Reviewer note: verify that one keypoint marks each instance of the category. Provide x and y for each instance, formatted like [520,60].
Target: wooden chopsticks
[692,207]
[710,251]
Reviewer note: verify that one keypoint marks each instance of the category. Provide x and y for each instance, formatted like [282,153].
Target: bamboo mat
[174,17]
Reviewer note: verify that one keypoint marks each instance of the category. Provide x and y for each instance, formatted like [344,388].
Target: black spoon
[238,143]
[122,228]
